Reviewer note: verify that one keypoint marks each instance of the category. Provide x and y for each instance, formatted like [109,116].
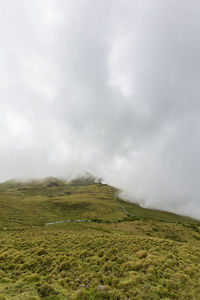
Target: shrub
[141,254]
[137,266]
[81,294]
[64,266]
[41,252]
[127,266]
[46,290]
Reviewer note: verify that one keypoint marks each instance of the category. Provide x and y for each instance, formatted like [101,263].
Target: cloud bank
[109,87]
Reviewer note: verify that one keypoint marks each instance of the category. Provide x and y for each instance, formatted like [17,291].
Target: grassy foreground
[151,255]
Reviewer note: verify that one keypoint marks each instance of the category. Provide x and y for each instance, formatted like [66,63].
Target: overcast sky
[111,87]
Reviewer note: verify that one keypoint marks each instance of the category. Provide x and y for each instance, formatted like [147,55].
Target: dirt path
[122,207]
[67,221]
[128,214]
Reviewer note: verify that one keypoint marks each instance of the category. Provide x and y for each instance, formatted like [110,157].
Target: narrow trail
[122,207]
[67,221]
[128,214]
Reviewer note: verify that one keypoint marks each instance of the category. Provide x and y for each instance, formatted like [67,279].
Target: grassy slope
[154,255]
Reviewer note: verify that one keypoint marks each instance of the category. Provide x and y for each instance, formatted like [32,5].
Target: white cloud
[111,87]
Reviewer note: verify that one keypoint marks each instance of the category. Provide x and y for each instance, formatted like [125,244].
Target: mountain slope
[123,251]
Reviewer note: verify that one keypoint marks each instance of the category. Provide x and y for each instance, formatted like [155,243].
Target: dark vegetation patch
[196,237]
[73,206]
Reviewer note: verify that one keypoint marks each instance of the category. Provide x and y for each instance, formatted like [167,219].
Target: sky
[110,87]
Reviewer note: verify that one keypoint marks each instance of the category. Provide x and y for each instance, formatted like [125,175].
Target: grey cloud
[111,87]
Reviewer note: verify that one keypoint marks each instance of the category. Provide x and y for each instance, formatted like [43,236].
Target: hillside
[104,248]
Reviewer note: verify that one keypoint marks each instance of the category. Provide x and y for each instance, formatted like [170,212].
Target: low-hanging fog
[111,87]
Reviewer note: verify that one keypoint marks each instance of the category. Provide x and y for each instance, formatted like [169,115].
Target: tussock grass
[153,255]
[57,264]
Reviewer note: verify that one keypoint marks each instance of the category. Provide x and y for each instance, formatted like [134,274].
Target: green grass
[40,204]
[68,264]
[153,255]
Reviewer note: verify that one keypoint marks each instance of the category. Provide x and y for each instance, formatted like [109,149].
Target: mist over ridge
[109,87]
